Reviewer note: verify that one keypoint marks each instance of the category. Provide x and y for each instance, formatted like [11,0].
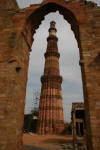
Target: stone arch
[26,19]
[84,19]
[67,14]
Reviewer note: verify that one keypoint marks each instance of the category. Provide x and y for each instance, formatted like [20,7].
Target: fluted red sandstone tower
[51,120]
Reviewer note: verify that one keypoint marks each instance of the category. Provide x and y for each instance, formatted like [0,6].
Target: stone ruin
[78,126]
[17,28]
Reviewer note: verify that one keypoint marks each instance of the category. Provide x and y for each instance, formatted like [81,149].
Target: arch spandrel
[32,16]
[75,12]
[77,9]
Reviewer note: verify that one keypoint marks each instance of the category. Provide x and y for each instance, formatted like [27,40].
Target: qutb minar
[51,119]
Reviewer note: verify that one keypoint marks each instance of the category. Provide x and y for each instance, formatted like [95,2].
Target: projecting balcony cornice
[46,78]
[52,37]
[47,54]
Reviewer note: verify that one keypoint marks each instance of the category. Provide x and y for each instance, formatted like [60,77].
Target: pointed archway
[84,19]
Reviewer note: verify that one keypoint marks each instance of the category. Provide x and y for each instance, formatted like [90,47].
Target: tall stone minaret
[51,120]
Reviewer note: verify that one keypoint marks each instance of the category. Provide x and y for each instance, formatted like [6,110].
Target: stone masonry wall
[90,37]
[13,75]
[15,45]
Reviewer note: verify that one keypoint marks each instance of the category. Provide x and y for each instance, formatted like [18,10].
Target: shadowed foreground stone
[17,28]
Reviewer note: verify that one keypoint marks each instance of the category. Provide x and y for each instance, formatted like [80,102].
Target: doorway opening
[69,66]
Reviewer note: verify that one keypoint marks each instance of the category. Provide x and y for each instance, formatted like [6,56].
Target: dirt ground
[47,142]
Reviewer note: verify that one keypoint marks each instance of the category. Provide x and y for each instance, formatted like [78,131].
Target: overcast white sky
[69,60]
[25,3]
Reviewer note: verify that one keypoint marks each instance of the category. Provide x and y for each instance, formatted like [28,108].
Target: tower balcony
[46,78]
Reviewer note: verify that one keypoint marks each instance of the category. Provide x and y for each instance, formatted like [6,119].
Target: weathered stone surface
[14,54]
[78,126]
[8,4]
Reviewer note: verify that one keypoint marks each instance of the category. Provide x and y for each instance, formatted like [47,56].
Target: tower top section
[52,24]
[52,30]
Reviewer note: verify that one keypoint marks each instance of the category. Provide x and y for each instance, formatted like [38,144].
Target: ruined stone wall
[8,4]
[13,75]
[79,139]
[90,43]
[16,30]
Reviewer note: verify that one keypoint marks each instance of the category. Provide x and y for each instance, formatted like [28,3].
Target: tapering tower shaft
[51,120]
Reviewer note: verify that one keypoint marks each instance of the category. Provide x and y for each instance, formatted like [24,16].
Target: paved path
[37,142]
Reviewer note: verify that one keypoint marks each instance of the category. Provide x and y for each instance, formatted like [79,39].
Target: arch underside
[52,7]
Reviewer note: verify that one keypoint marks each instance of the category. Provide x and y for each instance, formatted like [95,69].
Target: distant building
[78,126]
[30,122]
